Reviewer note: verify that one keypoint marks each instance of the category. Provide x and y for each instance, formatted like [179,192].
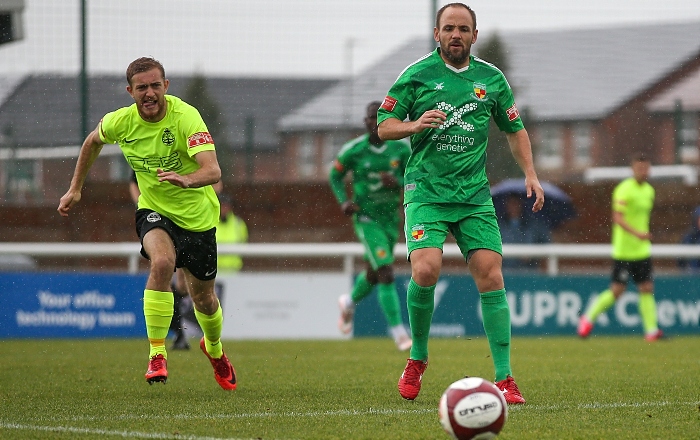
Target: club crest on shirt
[168,137]
[381,252]
[479,91]
[417,233]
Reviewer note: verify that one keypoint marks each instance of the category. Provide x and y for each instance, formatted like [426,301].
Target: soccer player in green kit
[445,101]
[167,144]
[377,177]
[633,201]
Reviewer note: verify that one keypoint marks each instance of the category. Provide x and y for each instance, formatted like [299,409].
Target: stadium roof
[557,75]
[44,111]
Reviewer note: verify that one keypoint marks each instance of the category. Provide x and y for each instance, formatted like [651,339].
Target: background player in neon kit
[377,177]
[167,143]
[448,97]
[633,201]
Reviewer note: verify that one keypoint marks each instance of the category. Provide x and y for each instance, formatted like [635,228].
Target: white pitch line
[368,412]
[104,432]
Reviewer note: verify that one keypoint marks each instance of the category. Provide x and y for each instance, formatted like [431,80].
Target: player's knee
[162,267]
[371,276]
[425,274]
[385,274]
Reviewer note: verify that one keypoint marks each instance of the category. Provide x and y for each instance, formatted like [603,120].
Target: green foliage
[604,387]
[500,163]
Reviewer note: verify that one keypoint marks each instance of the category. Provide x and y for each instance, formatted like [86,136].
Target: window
[582,141]
[23,182]
[549,151]
[688,137]
[306,165]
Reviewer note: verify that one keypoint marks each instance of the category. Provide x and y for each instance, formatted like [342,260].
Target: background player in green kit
[445,102]
[167,144]
[377,176]
[632,202]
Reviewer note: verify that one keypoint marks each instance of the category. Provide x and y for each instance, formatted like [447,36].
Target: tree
[500,163]
[197,94]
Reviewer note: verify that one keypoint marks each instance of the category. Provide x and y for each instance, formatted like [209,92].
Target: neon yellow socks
[421,303]
[604,301]
[211,327]
[647,310]
[158,311]
[496,316]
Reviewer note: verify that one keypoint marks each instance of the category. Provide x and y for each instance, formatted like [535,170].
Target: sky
[281,38]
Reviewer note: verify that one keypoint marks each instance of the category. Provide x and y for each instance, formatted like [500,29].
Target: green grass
[602,388]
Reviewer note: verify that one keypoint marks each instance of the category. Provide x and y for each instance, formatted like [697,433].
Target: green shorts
[473,226]
[378,238]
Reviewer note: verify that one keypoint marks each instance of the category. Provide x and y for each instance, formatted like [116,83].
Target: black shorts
[194,250]
[639,271]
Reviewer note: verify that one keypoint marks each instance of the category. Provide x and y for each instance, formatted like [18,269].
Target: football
[472,408]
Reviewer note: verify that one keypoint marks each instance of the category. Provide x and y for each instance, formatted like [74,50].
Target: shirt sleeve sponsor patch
[198,139]
[389,103]
[513,113]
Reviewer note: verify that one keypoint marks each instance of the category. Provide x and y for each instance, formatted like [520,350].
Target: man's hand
[173,177]
[67,201]
[349,208]
[429,119]
[532,185]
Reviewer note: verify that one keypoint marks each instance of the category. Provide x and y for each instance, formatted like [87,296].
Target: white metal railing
[347,251]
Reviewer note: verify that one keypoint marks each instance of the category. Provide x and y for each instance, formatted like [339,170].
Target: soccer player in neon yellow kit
[167,144]
[632,203]
[445,101]
[377,177]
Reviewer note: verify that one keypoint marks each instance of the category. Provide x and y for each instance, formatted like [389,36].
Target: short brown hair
[449,5]
[143,64]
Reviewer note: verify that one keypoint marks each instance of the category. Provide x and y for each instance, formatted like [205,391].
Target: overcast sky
[281,37]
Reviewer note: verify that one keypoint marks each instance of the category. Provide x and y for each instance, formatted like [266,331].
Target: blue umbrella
[558,206]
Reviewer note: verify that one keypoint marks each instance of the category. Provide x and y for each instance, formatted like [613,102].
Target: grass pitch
[604,387]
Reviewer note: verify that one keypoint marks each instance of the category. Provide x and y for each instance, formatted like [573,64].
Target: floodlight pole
[83,70]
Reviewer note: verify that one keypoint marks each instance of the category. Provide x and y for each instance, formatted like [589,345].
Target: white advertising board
[282,305]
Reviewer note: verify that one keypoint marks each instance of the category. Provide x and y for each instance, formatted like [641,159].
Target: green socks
[211,327]
[421,303]
[604,301]
[361,289]
[647,310]
[389,302]
[158,311]
[496,316]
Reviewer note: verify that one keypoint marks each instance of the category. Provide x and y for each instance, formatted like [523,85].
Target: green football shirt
[635,201]
[448,163]
[169,144]
[366,162]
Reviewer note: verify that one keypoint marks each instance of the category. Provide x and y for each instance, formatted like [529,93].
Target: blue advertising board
[542,305]
[71,305]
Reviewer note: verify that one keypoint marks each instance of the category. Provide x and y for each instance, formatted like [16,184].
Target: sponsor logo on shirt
[409,187]
[479,91]
[394,163]
[389,103]
[512,113]
[198,139]
[418,233]
[455,115]
[150,164]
